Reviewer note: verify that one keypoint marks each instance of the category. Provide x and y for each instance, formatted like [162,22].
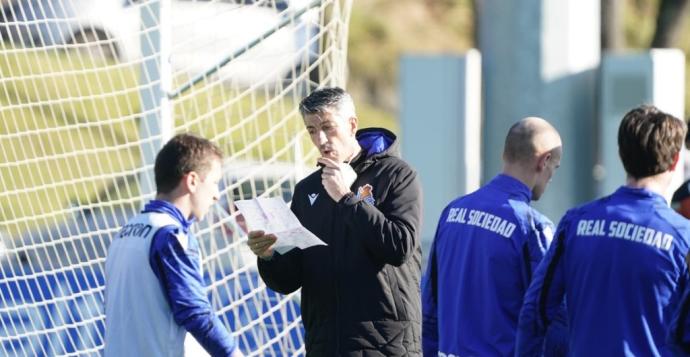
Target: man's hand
[336,178]
[237,353]
[260,243]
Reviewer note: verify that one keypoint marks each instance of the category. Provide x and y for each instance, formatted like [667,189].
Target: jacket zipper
[336,273]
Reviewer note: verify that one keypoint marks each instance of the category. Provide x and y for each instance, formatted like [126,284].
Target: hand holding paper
[273,217]
[261,244]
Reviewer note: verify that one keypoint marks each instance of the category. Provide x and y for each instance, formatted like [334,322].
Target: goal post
[74,122]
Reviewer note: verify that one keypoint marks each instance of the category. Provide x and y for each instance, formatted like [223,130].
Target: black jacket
[361,292]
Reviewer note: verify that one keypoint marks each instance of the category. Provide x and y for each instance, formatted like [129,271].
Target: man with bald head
[619,261]
[486,247]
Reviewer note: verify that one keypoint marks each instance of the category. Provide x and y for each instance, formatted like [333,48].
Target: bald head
[532,153]
[528,139]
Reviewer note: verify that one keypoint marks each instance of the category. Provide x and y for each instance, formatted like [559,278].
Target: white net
[89,90]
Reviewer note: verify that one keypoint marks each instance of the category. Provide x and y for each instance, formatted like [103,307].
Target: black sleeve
[391,230]
[283,272]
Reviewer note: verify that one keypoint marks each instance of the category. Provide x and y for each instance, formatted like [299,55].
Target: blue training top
[486,247]
[620,263]
[178,269]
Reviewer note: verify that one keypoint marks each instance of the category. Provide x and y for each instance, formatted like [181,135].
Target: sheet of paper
[272,215]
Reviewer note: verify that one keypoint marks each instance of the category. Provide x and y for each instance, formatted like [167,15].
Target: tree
[612,25]
[669,22]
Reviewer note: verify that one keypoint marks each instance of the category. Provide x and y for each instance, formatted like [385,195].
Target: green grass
[53,136]
[69,131]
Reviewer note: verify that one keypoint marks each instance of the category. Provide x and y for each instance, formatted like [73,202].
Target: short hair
[518,146]
[649,140]
[323,99]
[181,155]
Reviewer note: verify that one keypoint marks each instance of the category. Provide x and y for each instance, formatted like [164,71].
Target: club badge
[366,194]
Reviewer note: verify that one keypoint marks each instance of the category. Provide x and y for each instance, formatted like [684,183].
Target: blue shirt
[486,247]
[619,262]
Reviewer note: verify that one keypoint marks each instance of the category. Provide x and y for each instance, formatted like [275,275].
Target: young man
[619,261]
[360,293]
[486,247]
[154,288]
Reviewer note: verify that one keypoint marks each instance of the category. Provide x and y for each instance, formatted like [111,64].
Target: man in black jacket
[360,293]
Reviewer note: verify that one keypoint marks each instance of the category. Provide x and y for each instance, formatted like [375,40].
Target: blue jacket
[620,263]
[486,247]
[679,332]
[178,269]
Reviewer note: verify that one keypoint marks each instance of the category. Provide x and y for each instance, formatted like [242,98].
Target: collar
[374,140]
[641,193]
[161,206]
[512,186]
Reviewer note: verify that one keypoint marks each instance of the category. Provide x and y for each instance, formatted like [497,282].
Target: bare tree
[669,22]
[476,12]
[612,25]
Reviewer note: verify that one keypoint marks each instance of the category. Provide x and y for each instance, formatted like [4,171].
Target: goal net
[90,90]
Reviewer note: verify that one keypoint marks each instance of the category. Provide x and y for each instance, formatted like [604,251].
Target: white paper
[273,216]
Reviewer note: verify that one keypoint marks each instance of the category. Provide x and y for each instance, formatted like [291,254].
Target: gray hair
[324,99]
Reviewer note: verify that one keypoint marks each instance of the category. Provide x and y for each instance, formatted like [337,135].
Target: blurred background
[376,42]
[579,64]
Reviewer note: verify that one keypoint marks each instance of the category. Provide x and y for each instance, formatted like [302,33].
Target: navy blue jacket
[620,263]
[486,247]
[679,332]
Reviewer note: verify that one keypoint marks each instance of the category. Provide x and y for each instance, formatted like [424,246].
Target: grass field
[69,131]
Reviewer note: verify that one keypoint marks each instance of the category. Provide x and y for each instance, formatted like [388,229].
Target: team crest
[366,194]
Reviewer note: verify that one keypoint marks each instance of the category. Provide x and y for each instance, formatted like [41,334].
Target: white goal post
[89,91]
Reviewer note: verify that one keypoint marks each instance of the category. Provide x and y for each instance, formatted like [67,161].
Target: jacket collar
[513,186]
[641,193]
[375,143]
[161,206]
